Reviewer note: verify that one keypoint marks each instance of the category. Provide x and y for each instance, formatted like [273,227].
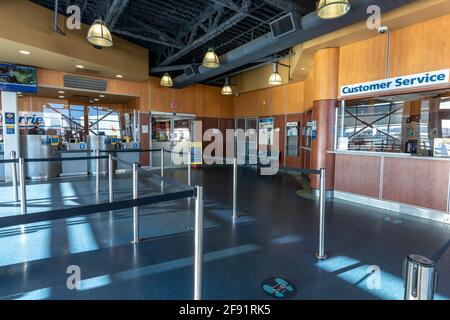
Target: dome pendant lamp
[333,9]
[227,90]
[211,59]
[166,80]
[275,77]
[99,35]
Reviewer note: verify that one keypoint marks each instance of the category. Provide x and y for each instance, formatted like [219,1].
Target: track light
[211,59]
[166,80]
[227,90]
[99,35]
[332,9]
[275,77]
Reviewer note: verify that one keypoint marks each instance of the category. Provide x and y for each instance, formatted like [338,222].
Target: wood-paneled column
[326,69]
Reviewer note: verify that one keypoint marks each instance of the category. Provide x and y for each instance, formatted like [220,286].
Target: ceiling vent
[191,70]
[85,83]
[285,25]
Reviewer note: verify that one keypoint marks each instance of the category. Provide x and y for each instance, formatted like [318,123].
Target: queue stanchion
[136,238]
[14,176]
[198,259]
[235,215]
[97,168]
[111,177]
[23,187]
[162,166]
[189,166]
[420,278]
[321,255]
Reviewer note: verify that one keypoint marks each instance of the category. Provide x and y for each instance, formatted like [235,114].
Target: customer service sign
[400,83]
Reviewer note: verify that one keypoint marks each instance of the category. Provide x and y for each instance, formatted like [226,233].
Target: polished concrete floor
[276,236]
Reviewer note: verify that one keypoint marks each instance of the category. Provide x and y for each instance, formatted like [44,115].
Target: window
[416,124]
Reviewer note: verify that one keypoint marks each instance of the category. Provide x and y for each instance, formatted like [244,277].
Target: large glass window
[103,121]
[416,124]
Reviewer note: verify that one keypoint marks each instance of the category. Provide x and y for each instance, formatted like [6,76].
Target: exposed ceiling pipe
[311,27]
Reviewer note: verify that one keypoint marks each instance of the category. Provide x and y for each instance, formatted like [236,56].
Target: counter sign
[400,83]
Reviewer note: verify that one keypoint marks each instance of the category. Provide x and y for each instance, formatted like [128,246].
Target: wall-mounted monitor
[18,78]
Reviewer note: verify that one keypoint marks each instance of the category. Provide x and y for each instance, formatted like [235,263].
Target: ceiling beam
[147,39]
[114,12]
[209,35]
[233,6]
[290,5]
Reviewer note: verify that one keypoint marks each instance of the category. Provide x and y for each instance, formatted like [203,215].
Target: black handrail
[64,159]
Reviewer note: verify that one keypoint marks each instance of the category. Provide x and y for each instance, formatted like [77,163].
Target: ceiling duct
[191,70]
[285,25]
[311,27]
[84,83]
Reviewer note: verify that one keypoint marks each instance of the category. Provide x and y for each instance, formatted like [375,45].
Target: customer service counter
[40,147]
[395,181]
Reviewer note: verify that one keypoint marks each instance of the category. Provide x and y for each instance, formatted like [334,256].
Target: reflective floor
[275,237]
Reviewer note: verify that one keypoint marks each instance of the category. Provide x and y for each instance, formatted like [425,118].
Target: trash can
[420,278]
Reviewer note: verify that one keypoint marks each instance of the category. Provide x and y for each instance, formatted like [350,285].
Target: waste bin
[420,278]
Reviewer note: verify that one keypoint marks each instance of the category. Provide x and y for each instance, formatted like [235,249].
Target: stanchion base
[324,257]
[136,241]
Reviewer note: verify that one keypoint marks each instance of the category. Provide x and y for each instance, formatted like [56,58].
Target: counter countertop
[388,155]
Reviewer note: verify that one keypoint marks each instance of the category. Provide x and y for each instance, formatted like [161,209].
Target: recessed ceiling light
[79,66]
[119,76]
[96,100]
[24,52]
[102,96]
[61,97]
[303,68]
[19,93]
[61,92]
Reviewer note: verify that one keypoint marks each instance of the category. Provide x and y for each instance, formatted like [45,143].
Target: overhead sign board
[399,83]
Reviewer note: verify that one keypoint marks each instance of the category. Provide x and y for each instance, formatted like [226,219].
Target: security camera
[383,29]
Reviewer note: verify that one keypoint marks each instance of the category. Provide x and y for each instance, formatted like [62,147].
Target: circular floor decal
[280,288]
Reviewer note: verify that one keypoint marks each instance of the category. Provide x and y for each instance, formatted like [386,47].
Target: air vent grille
[85,83]
[285,25]
[191,70]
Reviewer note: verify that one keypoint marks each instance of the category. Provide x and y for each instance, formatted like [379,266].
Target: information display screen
[18,79]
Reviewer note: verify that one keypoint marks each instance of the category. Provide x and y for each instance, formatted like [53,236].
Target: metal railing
[135,203]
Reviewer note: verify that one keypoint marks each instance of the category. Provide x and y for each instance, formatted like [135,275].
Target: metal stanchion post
[14,176]
[321,255]
[23,187]
[198,260]
[136,238]
[420,278]
[235,215]
[162,166]
[189,166]
[97,175]
[110,178]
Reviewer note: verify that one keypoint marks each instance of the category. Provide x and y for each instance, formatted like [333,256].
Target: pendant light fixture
[227,90]
[166,80]
[99,35]
[211,59]
[275,77]
[332,9]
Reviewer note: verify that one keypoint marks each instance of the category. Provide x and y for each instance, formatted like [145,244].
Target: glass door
[171,132]
[161,136]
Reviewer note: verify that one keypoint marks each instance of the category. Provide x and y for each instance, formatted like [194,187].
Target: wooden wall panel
[226,106]
[210,102]
[295,96]
[279,99]
[358,174]
[308,99]
[423,183]
[363,61]
[421,47]
[264,98]
[160,97]
[185,100]
[50,78]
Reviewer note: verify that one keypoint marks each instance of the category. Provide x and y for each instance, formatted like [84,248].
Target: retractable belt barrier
[65,159]
[9,161]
